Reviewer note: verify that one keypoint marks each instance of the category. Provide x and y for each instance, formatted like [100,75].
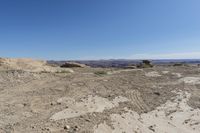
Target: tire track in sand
[135,97]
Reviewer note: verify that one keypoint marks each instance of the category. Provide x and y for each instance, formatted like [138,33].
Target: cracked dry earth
[161,100]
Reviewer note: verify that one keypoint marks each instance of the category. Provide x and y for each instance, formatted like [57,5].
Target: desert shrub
[178,64]
[63,71]
[130,67]
[100,73]
[44,71]
[145,64]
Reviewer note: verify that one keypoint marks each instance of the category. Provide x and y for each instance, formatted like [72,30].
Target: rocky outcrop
[29,65]
[145,64]
[72,64]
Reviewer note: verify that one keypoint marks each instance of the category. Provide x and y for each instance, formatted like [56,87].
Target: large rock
[72,64]
[29,65]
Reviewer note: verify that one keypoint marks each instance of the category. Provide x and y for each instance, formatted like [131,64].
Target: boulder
[145,64]
[72,64]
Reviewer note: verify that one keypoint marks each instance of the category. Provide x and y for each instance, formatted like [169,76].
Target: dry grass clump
[178,64]
[100,73]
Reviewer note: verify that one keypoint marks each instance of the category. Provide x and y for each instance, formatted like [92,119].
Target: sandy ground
[160,99]
[171,117]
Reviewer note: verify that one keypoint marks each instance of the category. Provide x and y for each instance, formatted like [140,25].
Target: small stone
[145,111]
[109,96]
[66,127]
[53,103]
[152,128]
[76,127]
[157,93]
[87,120]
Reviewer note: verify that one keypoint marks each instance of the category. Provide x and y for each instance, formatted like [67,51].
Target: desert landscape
[36,96]
[99,66]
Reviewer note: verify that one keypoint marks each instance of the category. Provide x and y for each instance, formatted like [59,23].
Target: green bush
[145,64]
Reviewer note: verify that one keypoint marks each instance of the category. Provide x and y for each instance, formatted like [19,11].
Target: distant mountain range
[118,63]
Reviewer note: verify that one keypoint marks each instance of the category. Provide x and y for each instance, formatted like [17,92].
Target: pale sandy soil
[171,117]
[160,99]
[152,74]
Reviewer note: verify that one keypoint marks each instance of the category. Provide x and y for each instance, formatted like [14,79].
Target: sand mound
[29,65]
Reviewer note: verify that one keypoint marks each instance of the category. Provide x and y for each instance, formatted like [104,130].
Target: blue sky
[100,29]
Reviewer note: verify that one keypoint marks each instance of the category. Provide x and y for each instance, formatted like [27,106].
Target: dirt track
[85,101]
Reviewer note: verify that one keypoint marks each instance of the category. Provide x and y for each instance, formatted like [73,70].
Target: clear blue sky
[100,29]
